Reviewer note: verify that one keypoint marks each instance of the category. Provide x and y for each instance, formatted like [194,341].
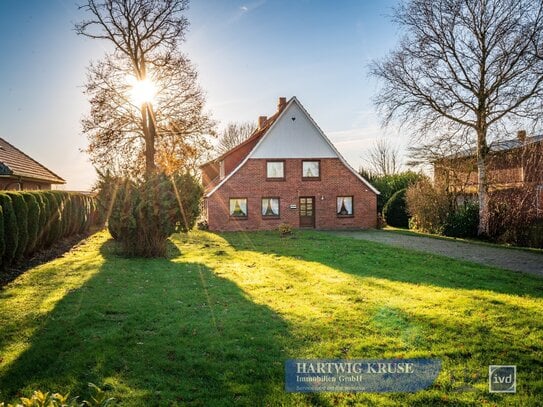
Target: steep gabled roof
[266,131]
[13,162]
[257,134]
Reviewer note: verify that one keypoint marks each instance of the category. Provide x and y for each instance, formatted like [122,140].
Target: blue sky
[248,53]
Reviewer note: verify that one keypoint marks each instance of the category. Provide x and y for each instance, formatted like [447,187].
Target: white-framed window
[344,206]
[270,207]
[238,207]
[311,169]
[275,170]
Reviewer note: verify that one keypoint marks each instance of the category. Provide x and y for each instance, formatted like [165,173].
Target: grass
[213,324]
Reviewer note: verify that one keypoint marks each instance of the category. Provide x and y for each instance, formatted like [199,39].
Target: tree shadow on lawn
[370,259]
[156,332]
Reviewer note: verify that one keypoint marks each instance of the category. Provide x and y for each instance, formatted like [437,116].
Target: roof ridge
[30,158]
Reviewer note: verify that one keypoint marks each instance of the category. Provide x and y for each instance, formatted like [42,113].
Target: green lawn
[213,323]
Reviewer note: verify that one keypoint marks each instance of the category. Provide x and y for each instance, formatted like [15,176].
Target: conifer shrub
[33,221]
[55,227]
[11,230]
[144,214]
[2,241]
[395,210]
[21,214]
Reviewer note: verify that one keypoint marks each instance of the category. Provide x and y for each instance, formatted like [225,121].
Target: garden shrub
[427,206]
[45,224]
[144,214]
[21,214]
[54,229]
[33,221]
[284,229]
[388,185]
[11,230]
[535,234]
[2,242]
[395,212]
[463,221]
[512,212]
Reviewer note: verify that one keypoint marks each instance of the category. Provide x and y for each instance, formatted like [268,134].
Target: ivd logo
[502,379]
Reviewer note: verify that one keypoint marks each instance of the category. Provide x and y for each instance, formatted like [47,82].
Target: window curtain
[345,205]
[270,207]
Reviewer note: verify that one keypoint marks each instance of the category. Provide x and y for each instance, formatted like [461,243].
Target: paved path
[510,259]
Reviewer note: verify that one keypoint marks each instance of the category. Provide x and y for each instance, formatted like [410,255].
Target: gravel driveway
[510,259]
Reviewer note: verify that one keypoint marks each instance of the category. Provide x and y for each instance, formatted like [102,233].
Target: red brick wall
[250,182]
[15,185]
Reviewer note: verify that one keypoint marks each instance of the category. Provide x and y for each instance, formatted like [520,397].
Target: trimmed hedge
[33,220]
[11,231]
[21,213]
[2,242]
[395,211]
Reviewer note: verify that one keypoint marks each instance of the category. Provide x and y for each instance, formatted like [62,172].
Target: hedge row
[34,220]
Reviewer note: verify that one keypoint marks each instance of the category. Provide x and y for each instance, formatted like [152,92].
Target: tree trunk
[150,137]
[482,151]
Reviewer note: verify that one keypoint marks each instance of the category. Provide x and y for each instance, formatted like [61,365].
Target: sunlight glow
[143,91]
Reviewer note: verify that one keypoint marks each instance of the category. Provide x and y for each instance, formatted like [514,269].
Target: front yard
[214,323]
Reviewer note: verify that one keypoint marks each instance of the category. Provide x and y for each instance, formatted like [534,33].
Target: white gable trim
[321,133]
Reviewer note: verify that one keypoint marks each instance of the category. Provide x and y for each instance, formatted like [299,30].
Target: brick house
[287,171]
[514,165]
[18,171]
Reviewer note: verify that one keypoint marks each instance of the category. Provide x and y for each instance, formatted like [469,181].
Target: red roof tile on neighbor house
[16,163]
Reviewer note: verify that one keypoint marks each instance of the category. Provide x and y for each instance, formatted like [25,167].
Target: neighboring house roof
[15,163]
[498,147]
[261,135]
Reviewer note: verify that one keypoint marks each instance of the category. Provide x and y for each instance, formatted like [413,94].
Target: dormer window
[221,169]
[275,170]
[311,170]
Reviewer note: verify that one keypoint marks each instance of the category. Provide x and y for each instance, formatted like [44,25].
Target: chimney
[262,121]
[521,135]
[282,103]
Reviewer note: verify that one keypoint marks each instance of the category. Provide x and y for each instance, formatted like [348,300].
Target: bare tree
[116,130]
[234,134]
[383,158]
[464,67]
[123,132]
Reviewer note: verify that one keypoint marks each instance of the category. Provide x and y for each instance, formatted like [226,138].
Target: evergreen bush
[2,241]
[21,214]
[11,231]
[463,222]
[395,210]
[33,221]
[144,214]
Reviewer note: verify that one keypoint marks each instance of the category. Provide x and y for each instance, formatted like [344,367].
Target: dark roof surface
[258,133]
[16,163]
[497,146]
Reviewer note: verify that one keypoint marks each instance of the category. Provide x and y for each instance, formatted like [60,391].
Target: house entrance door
[307,212]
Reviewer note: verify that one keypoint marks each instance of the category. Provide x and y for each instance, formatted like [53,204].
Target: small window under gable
[221,169]
[311,170]
[275,170]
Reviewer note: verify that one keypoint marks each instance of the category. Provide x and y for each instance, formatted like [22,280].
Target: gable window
[238,208]
[311,170]
[270,207]
[275,170]
[344,206]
